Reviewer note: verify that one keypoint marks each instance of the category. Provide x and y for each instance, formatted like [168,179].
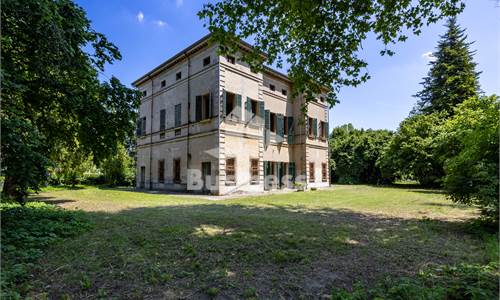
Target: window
[163,83]
[311,125]
[324,172]
[230,171]
[254,171]
[231,59]
[311,172]
[143,125]
[272,87]
[163,114]
[322,99]
[162,135]
[202,107]
[144,93]
[254,110]
[177,117]
[230,102]
[177,132]
[272,117]
[177,170]
[206,61]
[161,171]
[323,130]
[178,75]
[284,92]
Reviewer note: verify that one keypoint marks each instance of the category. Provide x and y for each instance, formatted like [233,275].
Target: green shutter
[198,108]
[326,128]
[290,130]
[291,170]
[177,120]
[266,168]
[223,108]
[238,107]
[315,127]
[267,127]
[163,114]
[248,110]
[280,128]
[261,112]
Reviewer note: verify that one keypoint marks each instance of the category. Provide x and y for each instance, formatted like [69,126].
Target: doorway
[142,182]
[206,174]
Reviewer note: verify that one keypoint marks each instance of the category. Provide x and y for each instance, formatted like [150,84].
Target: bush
[26,232]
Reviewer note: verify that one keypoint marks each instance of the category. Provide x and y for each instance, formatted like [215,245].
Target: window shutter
[261,111]
[326,130]
[267,127]
[139,127]
[143,123]
[279,131]
[238,107]
[178,115]
[162,119]
[210,105]
[315,127]
[290,130]
[198,108]
[223,109]
[248,110]
[291,170]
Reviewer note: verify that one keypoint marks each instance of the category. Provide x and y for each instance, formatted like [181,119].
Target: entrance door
[206,173]
[142,181]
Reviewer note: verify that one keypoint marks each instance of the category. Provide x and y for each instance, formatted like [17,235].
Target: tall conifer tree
[452,78]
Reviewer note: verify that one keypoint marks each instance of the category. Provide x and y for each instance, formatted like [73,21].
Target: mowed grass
[294,245]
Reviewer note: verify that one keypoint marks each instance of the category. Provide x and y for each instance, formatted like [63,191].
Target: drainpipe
[188,160]
[151,137]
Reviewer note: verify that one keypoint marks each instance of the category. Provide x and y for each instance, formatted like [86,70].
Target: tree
[354,154]
[452,77]
[319,38]
[413,150]
[472,174]
[50,86]
[118,169]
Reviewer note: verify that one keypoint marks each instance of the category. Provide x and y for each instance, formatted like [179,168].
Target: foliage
[354,154]
[26,233]
[413,149]
[119,169]
[472,173]
[320,40]
[452,77]
[72,167]
[51,58]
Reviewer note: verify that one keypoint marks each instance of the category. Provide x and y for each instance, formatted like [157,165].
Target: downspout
[188,161]
[151,137]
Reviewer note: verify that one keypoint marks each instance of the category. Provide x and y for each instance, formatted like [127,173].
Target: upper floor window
[178,75]
[323,132]
[284,92]
[144,93]
[203,107]
[231,59]
[324,172]
[230,102]
[311,125]
[272,119]
[272,87]
[254,108]
[177,116]
[163,117]
[322,99]
[163,83]
[206,61]
[285,125]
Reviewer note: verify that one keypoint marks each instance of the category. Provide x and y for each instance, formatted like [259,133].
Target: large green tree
[319,39]
[354,154]
[452,77]
[51,95]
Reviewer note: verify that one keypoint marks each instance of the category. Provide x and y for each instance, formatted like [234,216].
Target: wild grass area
[317,244]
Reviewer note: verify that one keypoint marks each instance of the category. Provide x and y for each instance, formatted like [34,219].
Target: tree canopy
[319,39]
[452,77]
[51,93]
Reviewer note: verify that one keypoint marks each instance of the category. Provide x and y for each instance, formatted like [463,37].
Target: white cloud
[179,3]
[160,23]
[140,17]
[429,56]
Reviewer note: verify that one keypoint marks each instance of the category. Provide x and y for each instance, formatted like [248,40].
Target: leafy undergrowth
[464,281]
[26,233]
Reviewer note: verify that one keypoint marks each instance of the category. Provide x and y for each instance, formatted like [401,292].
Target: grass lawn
[295,245]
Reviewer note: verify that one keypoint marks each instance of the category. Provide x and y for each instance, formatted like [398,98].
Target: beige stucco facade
[228,125]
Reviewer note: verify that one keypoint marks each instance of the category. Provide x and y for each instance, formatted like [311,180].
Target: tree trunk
[12,191]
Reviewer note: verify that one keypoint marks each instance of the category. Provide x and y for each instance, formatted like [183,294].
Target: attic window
[272,87]
[206,61]
[284,92]
[231,59]
[163,83]
[178,76]
[144,93]
[322,99]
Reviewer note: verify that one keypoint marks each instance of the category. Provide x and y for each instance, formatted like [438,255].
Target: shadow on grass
[240,251]
[49,200]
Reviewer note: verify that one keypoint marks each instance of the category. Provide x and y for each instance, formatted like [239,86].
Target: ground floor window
[161,171]
[324,172]
[311,172]
[177,170]
[230,171]
[254,171]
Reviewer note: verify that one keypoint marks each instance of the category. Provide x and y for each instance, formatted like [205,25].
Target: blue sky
[149,32]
